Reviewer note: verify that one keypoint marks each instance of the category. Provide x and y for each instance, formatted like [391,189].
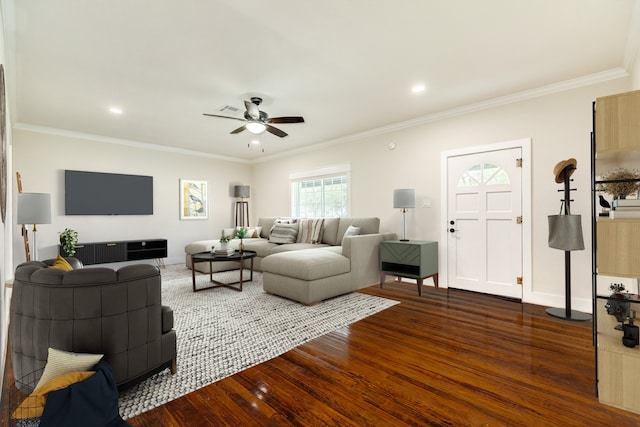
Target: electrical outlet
[426,203]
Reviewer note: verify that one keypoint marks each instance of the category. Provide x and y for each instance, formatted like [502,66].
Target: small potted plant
[616,288]
[68,241]
[224,241]
[241,233]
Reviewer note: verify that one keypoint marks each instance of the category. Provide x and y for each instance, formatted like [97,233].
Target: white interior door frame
[525,145]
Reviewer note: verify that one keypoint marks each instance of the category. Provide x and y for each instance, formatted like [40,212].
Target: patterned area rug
[221,331]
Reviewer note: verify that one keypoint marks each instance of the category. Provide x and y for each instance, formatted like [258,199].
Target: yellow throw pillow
[33,405]
[62,264]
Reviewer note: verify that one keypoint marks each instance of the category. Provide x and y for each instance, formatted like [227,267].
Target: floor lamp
[242,206]
[34,208]
[404,199]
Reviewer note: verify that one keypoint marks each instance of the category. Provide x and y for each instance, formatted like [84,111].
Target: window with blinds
[320,197]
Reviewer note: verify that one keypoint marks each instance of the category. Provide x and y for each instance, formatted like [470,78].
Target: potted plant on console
[68,242]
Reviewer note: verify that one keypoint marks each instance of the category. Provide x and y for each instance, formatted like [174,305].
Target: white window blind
[323,195]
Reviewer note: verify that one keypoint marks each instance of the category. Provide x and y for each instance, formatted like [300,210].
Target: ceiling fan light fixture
[256,127]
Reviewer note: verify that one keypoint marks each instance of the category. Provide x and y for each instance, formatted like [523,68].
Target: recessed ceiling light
[115,110]
[418,88]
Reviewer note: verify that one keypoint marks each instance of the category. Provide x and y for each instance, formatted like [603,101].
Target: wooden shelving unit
[616,247]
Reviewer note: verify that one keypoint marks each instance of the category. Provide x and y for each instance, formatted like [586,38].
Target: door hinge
[519,280]
[519,219]
[519,162]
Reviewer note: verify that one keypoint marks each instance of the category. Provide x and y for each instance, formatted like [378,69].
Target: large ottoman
[308,276]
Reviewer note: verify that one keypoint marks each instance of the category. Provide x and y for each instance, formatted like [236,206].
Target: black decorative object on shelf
[618,306]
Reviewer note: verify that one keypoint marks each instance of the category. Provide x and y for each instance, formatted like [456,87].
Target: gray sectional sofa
[304,271]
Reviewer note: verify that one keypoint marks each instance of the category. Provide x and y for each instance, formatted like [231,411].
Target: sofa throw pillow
[352,230]
[61,362]
[33,405]
[252,232]
[62,264]
[283,233]
[310,230]
[286,221]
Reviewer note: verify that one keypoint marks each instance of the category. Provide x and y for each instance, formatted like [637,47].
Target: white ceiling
[347,66]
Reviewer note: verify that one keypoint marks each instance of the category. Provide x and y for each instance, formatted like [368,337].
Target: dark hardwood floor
[448,358]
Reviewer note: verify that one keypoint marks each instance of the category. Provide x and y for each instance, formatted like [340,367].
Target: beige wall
[635,73]
[42,158]
[559,126]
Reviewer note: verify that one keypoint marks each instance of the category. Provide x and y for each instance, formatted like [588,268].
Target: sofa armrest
[364,253]
[167,319]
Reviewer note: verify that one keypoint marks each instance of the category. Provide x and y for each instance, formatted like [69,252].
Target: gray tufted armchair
[117,313]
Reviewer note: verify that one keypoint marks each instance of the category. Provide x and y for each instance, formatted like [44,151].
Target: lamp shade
[404,198]
[241,191]
[34,208]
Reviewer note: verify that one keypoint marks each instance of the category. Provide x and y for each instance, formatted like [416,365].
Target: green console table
[413,259]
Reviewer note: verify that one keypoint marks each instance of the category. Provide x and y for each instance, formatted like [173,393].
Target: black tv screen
[97,193]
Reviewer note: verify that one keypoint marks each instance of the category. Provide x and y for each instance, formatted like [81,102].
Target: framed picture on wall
[194,203]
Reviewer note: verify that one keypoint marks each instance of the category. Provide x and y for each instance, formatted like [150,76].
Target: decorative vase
[224,245]
[241,246]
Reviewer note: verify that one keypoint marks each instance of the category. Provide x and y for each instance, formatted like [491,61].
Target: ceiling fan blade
[292,119]
[276,131]
[252,110]
[240,129]
[223,117]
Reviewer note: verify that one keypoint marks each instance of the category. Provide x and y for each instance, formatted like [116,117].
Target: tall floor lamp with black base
[34,208]
[242,206]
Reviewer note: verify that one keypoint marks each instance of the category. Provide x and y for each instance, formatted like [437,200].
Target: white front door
[484,222]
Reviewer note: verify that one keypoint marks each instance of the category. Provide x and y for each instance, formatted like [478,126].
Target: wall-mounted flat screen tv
[97,193]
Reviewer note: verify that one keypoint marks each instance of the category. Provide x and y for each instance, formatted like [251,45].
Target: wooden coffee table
[211,258]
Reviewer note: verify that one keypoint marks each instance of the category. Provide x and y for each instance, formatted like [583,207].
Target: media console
[126,250]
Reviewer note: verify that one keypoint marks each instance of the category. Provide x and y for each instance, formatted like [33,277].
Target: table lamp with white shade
[404,198]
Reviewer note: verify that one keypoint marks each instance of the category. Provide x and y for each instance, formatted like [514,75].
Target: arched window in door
[483,173]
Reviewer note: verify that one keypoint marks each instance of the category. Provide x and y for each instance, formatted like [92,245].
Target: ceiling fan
[259,121]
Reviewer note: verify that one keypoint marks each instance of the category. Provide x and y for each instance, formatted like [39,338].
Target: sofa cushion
[252,232]
[330,231]
[33,405]
[63,362]
[352,230]
[261,246]
[367,225]
[311,264]
[310,230]
[61,264]
[266,224]
[296,247]
[283,233]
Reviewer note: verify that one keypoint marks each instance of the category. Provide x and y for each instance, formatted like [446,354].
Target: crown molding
[119,141]
[591,79]
[588,80]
